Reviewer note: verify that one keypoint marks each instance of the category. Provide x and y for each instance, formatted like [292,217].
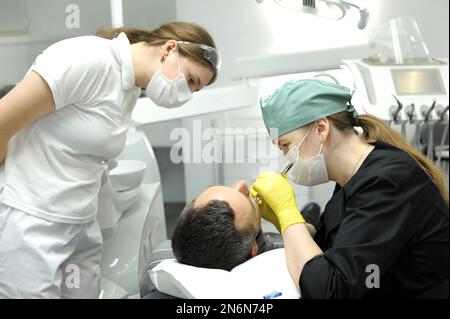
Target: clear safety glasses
[209,53]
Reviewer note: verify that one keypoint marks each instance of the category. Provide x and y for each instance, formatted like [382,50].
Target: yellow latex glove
[266,212]
[278,193]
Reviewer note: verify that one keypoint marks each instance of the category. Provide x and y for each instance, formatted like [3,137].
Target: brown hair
[375,129]
[178,31]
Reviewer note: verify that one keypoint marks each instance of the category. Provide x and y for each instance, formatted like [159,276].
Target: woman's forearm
[311,229]
[300,248]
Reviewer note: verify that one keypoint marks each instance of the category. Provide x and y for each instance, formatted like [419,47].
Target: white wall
[46,24]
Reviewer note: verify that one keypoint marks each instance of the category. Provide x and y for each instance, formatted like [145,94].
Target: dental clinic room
[225,150]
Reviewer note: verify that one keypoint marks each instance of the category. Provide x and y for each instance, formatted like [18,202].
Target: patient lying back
[221,228]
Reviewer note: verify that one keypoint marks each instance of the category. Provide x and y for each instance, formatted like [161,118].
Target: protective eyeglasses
[211,54]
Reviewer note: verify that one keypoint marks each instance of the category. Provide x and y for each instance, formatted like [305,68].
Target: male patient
[221,228]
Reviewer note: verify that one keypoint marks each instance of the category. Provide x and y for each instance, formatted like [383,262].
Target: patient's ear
[254,250]
[242,187]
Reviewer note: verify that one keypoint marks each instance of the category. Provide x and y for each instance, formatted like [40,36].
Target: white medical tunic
[54,166]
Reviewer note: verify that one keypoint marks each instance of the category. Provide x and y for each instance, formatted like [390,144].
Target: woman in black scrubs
[385,230]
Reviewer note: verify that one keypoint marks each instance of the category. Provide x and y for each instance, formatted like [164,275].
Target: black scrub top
[390,214]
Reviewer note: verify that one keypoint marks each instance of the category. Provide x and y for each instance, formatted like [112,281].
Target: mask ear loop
[179,65]
[300,144]
[304,138]
[320,150]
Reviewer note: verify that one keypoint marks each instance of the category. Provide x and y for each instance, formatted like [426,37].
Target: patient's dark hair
[5,90]
[207,237]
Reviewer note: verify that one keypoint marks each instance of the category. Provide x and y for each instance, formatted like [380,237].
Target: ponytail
[375,129]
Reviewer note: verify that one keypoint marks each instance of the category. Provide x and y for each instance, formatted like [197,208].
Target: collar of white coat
[124,48]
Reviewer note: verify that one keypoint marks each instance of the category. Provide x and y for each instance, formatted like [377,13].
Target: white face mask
[305,172]
[168,93]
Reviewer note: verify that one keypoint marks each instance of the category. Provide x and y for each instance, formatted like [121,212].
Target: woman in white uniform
[67,116]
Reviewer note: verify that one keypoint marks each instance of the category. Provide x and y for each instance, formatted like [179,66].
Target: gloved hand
[266,212]
[278,193]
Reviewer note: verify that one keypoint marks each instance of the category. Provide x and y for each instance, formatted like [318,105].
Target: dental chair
[164,252]
[131,217]
[147,288]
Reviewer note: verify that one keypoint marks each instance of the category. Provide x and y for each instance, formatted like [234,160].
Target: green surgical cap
[298,103]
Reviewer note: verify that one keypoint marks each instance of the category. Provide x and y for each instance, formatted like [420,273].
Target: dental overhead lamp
[330,9]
